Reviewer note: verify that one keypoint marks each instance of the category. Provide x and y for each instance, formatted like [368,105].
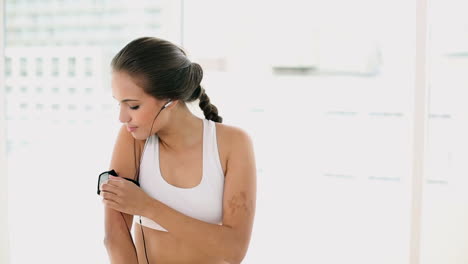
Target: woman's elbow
[237,254]
[116,236]
[109,241]
[235,259]
[106,241]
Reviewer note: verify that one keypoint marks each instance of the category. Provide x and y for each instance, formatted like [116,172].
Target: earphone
[138,175]
[167,104]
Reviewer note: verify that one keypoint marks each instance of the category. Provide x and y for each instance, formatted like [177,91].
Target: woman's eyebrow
[127,100]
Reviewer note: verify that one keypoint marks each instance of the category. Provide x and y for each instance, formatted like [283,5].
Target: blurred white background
[324,87]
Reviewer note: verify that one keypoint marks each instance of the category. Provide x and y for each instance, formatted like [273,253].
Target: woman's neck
[184,130]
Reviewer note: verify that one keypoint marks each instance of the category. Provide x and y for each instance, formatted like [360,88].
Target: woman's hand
[124,196]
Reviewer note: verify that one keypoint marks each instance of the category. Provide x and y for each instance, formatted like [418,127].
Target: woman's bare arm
[118,241]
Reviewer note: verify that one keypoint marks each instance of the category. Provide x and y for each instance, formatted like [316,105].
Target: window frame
[420,121]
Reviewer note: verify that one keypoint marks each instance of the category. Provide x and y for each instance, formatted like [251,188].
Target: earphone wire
[137,177]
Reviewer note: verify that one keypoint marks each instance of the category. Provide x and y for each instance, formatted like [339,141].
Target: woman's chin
[139,137]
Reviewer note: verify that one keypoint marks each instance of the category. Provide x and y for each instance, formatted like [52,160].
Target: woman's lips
[131,129]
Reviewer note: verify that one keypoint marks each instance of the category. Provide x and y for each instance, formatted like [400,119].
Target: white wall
[4,247]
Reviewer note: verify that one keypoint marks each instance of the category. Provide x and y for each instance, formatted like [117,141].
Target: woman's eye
[135,107]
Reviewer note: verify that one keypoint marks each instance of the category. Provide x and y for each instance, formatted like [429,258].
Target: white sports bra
[204,201]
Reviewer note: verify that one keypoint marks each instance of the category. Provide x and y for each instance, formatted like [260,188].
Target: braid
[209,110]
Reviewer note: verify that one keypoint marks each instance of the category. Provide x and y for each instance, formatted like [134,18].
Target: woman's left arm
[230,240]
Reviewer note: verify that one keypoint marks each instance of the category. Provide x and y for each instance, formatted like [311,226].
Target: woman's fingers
[110,186]
[110,203]
[110,196]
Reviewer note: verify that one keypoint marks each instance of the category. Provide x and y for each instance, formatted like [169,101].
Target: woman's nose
[123,116]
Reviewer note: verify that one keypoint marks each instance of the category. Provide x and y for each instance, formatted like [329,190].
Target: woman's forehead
[124,88]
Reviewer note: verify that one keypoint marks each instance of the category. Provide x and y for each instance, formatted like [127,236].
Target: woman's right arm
[118,241]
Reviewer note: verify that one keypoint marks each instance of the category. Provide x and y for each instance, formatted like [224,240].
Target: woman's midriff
[162,247]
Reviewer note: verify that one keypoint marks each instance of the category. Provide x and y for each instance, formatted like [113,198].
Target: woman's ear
[168,103]
[171,103]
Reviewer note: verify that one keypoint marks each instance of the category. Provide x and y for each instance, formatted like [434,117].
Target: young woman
[197,194]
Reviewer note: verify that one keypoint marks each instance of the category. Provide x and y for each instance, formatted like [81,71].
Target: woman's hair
[164,72]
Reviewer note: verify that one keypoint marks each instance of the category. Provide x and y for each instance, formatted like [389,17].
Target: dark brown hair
[165,72]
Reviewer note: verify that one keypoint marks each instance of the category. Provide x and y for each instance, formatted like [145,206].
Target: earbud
[168,104]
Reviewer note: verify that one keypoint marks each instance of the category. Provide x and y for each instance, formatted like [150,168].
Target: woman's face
[137,109]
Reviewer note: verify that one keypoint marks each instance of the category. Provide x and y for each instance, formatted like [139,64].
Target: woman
[197,194]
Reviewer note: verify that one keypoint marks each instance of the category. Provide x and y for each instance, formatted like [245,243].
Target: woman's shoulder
[232,136]
[231,130]
[236,149]
[125,137]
